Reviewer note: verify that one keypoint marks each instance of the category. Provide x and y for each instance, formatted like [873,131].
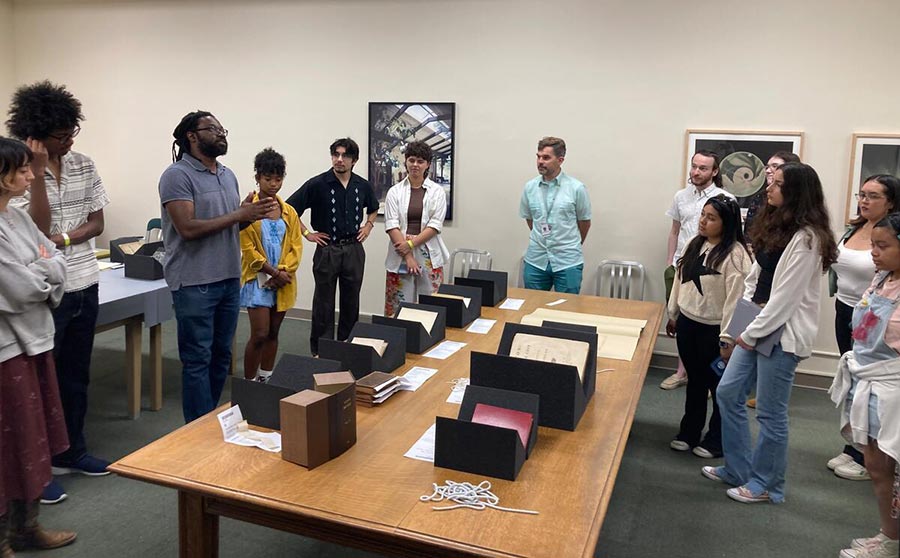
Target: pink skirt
[32,426]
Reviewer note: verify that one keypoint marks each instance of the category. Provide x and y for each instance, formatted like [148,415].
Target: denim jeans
[74,319]
[565,281]
[763,467]
[207,317]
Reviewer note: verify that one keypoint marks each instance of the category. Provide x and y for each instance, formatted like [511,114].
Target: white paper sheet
[109,265]
[481,325]
[444,349]
[415,377]
[466,300]
[556,302]
[423,449]
[512,304]
[234,432]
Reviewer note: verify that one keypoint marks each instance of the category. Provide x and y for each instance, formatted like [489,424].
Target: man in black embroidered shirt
[343,211]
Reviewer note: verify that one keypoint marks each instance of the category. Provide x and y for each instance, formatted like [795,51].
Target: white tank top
[855,270]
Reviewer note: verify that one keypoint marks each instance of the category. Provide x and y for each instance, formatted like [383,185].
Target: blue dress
[252,294]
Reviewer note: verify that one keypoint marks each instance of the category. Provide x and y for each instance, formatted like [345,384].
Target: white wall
[620,81]
[7,58]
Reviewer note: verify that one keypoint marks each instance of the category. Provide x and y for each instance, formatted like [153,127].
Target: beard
[213,149]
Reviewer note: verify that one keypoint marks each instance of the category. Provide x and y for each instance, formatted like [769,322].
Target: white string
[467,495]
[458,384]
[606,370]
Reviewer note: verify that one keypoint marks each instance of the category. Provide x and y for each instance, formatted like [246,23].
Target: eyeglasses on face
[214,130]
[63,138]
[868,196]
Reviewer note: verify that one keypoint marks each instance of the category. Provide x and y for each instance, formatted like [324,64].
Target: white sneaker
[678,445]
[841,459]
[852,471]
[674,382]
[885,549]
[868,541]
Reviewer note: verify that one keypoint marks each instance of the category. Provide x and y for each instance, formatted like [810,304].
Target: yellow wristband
[411,245]
[66,240]
[306,232]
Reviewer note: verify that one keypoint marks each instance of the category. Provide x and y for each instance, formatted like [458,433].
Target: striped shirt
[79,193]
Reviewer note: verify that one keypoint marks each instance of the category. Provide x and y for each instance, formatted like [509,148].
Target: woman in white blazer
[413,218]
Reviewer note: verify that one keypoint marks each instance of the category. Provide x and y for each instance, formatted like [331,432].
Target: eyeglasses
[215,130]
[867,196]
[63,138]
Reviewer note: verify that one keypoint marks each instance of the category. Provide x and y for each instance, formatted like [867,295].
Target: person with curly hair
[794,246]
[414,211]
[270,255]
[66,201]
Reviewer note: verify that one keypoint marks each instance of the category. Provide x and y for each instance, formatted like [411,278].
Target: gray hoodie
[29,286]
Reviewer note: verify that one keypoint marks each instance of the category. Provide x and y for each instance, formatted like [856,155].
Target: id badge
[544,228]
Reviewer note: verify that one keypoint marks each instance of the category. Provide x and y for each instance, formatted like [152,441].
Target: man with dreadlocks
[201,216]
[66,201]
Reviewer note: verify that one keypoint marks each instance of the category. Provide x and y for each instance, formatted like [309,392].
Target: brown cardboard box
[305,428]
[342,419]
[333,382]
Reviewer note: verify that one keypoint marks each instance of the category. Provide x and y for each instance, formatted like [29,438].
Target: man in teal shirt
[558,212]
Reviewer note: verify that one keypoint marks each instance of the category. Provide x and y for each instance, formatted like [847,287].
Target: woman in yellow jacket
[270,256]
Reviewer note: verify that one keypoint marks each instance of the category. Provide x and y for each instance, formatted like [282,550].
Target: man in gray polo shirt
[201,215]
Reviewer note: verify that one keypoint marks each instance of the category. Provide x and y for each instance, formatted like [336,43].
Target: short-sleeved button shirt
[686,207]
[336,211]
[215,257]
[560,203]
[78,193]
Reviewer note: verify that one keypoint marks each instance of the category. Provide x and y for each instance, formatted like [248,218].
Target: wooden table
[369,497]
[134,303]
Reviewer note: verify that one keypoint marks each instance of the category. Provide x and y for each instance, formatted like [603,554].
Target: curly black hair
[418,149]
[42,108]
[269,161]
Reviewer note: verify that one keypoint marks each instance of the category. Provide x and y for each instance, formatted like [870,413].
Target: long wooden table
[369,497]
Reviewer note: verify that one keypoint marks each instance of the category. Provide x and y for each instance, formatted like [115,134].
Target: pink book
[519,421]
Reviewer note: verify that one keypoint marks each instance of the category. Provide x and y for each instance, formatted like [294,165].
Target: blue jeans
[762,469]
[207,317]
[565,281]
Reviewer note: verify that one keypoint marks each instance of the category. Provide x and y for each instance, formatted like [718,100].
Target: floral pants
[406,287]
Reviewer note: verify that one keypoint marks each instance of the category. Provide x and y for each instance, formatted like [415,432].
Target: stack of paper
[375,388]
[551,349]
[424,317]
[617,337]
[466,300]
[378,344]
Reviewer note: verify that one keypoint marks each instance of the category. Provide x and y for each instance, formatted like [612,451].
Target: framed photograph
[392,126]
[743,156]
[870,154]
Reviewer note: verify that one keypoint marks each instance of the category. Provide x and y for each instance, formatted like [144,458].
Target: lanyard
[549,207]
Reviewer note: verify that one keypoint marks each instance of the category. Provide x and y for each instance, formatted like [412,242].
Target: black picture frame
[392,126]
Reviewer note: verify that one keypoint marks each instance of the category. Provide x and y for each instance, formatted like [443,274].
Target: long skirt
[32,426]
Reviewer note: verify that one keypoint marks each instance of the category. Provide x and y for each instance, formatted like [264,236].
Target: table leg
[133,366]
[198,531]
[156,395]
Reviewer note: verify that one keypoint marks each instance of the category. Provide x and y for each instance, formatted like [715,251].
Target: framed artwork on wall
[394,125]
[870,154]
[743,156]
